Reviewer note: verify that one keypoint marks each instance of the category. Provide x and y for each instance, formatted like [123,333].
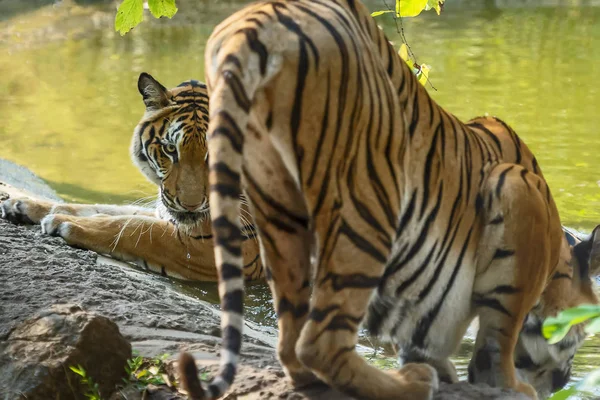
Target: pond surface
[68,107]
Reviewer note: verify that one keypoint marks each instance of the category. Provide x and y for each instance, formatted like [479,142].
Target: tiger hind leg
[281,219]
[518,249]
[346,278]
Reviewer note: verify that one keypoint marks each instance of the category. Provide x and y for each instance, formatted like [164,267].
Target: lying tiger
[174,239]
[373,204]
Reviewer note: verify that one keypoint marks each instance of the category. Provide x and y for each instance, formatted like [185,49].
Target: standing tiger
[174,239]
[372,204]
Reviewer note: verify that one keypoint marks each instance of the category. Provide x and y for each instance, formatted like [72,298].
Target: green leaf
[410,8]
[141,374]
[593,326]
[563,394]
[435,4]
[555,328]
[378,13]
[129,14]
[555,333]
[78,370]
[162,8]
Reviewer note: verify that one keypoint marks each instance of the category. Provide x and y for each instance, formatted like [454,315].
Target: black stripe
[408,213]
[535,166]
[233,301]
[256,21]
[269,122]
[286,306]
[362,243]
[343,323]
[225,190]
[256,46]
[489,134]
[229,271]
[201,237]
[560,275]
[238,90]
[427,172]
[222,168]
[501,180]
[395,264]
[420,333]
[491,303]
[355,281]
[498,219]
[362,208]
[417,272]
[321,136]
[505,289]
[380,190]
[478,203]
[320,315]
[293,26]
[274,218]
[503,253]
[232,132]
[227,235]
[228,373]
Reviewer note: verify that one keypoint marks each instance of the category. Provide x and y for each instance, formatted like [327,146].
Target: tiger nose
[189,207]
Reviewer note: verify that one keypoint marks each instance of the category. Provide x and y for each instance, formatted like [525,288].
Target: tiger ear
[155,95]
[587,253]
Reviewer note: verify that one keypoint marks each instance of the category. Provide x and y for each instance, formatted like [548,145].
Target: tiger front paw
[23,210]
[56,225]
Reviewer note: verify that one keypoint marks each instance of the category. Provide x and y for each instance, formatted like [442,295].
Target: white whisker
[118,236]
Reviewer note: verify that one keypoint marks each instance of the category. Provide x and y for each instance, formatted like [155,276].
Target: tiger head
[548,367]
[169,147]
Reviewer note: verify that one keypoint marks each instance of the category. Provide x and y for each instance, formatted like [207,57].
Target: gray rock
[36,355]
[465,391]
[19,176]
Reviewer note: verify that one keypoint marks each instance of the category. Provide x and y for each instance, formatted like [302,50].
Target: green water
[68,108]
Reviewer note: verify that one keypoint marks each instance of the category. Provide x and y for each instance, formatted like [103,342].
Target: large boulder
[36,356]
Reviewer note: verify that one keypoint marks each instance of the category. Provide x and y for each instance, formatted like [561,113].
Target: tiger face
[548,367]
[169,147]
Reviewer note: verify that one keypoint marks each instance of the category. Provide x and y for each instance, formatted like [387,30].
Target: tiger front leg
[24,210]
[519,247]
[150,242]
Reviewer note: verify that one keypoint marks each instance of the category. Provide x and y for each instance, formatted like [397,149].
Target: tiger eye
[171,148]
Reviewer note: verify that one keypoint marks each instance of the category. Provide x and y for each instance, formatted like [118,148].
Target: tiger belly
[430,315]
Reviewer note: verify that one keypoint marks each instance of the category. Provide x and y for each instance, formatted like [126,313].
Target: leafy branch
[411,8]
[131,12]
